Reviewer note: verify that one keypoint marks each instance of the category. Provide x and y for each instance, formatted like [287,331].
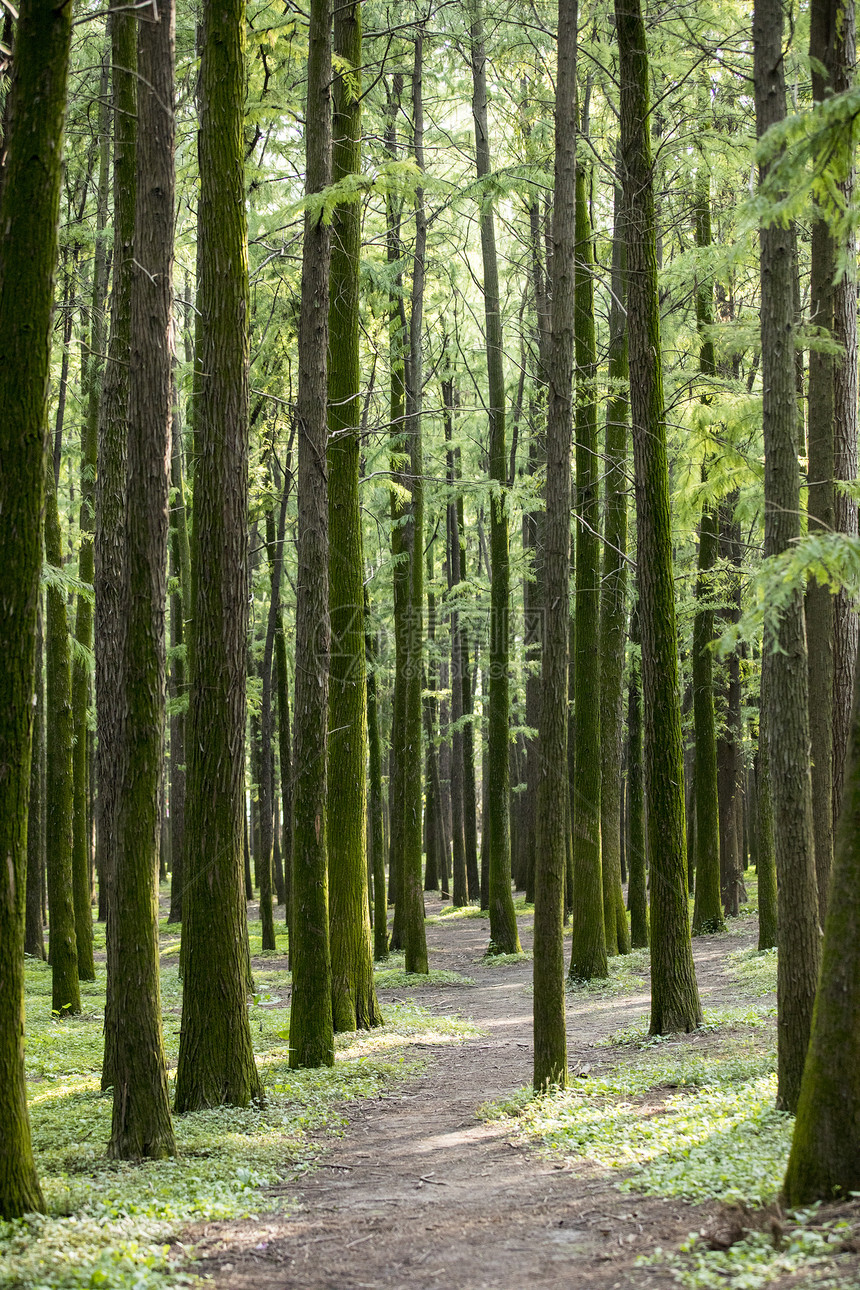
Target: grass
[754,969]
[114,1225]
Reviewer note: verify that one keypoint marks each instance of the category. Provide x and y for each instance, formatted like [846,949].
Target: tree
[708,910]
[311,1025]
[141,1124]
[109,541]
[504,937]
[550,1040]
[674,994]
[785,686]
[613,596]
[588,931]
[825,1148]
[59,787]
[354,1002]
[216,1059]
[29,208]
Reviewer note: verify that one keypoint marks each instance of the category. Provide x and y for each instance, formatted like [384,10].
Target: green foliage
[755,968]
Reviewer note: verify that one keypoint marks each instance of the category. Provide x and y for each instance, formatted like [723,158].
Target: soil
[421,1193]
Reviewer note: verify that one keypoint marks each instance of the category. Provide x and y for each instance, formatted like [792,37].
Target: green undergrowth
[400,979]
[456,911]
[677,1120]
[754,969]
[501,960]
[627,973]
[813,1247]
[714,1019]
[112,1224]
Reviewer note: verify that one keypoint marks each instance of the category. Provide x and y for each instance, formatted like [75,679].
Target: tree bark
[550,1041]
[216,1059]
[34,939]
[674,997]
[141,1124]
[637,850]
[311,1024]
[784,660]
[504,937]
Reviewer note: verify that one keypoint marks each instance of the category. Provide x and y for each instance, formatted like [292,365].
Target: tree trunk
[377,840]
[784,660]
[708,911]
[613,604]
[504,937]
[91,379]
[311,1025]
[637,849]
[141,1123]
[550,1041]
[34,939]
[409,891]
[470,797]
[59,793]
[180,605]
[824,1162]
[29,205]
[461,891]
[216,1059]
[110,493]
[354,1003]
[674,994]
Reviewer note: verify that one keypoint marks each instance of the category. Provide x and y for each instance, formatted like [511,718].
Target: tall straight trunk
[268,830]
[110,491]
[374,784]
[216,1059]
[29,209]
[354,1002]
[34,939]
[433,828]
[824,1162]
[846,625]
[729,744]
[180,603]
[470,797]
[409,892]
[784,661]
[91,383]
[285,753]
[766,849]
[461,892]
[59,788]
[550,1040]
[637,849]
[674,993]
[613,596]
[708,911]
[504,937]
[141,1123]
[398,361]
[588,946]
[311,1024]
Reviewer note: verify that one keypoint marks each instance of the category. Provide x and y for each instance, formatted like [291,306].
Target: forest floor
[430,1187]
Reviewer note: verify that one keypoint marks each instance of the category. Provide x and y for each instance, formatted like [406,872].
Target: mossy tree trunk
[180,603]
[470,796]
[588,945]
[29,209]
[409,893]
[141,1124]
[784,661]
[91,383]
[311,1024]
[59,784]
[708,910]
[674,993]
[766,866]
[504,937]
[34,939]
[461,892]
[637,849]
[354,1003]
[550,1039]
[110,490]
[374,784]
[613,603]
[825,1151]
[216,1059]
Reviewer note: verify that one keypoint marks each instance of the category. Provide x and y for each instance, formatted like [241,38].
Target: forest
[429,715]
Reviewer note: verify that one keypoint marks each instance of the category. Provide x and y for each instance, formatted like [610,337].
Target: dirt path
[420,1193]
